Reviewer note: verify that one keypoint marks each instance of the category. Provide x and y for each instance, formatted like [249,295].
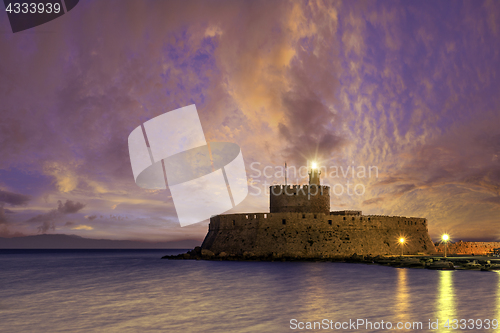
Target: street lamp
[314,165]
[402,243]
[445,239]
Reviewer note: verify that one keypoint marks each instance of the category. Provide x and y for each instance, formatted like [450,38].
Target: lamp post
[445,239]
[402,243]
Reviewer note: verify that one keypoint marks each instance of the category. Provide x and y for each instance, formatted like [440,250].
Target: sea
[137,291]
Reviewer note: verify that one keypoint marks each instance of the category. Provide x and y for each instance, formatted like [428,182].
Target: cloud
[48,220]
[69,207]
[244,89]
[91,217]
[46,226]
[5,226]
[308,133]
[372,201]
[45,217]
[14,199]
[494,200]
[83,227]
[3,218]
[7,233]
[337,81]
[403,188]
[3,212]
[66,178]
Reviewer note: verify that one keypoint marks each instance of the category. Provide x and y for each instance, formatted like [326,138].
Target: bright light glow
[445,237]
[314,165]
[402,240]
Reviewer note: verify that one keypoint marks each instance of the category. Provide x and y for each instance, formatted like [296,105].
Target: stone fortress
[301,225]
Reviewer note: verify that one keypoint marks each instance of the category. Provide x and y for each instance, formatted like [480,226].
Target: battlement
[255,220]
[299,199]
[299,190]
[346,212]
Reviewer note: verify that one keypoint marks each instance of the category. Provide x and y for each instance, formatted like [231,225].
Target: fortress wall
[296,198]
[476,248]
[346,212]
[315,234]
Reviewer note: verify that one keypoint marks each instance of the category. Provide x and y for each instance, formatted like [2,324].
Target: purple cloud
[14,199]
[47,220]
[342,82]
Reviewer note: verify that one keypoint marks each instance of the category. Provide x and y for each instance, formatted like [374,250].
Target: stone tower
[312,198]
[314,174]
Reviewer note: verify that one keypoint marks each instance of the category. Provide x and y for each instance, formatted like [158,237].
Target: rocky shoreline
[484,263]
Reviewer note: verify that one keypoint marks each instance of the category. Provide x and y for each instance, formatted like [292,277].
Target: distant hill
[61,241]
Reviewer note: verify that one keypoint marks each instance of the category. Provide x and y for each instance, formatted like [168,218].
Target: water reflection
[315,302]
[445,306]
[402,295]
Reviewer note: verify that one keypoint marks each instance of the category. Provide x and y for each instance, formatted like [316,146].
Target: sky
[409,90]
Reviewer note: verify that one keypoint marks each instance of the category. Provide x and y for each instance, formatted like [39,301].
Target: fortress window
[330,222]
[234,223]
[353,218]
[283,221]
[255,216]
[315,216]
[246,217]
[344,218]
[303,216]
[368,219]
[265,216]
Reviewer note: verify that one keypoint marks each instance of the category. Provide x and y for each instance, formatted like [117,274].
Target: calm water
[135,291]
